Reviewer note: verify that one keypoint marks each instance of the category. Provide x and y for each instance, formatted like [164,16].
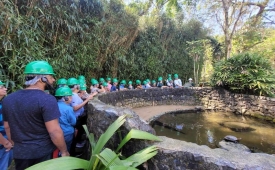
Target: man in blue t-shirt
[31,118]
[6,152]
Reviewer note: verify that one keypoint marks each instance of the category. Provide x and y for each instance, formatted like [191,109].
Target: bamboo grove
[95,39]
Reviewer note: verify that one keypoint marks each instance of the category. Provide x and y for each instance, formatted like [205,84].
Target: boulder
[231,146]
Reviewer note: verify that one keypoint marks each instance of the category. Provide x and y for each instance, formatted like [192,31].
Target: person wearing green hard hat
[77,103]
[32,117]
[160,83]
[95,87]
[138,84]
[67,120]
[6,152]
[101,80]
[148,82]
[154,83]
[122,85]
[78,107]
[61,82]
[168,78]
[130,85]
[144,84]
[170,83]
[82,91]
[114,88]
[105,87]
[177,81]
[108,79]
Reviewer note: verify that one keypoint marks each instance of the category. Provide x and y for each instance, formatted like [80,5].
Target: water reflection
[210,128]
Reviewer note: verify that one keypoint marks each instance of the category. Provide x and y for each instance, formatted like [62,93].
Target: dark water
[209,128]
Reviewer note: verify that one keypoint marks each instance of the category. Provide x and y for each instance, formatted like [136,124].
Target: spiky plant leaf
[143,155]
[64,163]
[137,134]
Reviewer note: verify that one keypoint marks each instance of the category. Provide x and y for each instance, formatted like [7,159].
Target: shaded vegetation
[248,73]
[95,39]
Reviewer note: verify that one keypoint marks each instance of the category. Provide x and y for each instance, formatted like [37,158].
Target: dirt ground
[146,113]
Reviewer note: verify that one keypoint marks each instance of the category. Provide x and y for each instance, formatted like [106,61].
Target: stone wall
[174,154]
[209,98]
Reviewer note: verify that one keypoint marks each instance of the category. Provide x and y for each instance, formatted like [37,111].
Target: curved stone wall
[175,154]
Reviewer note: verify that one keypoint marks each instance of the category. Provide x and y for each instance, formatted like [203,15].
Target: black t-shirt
[26,111]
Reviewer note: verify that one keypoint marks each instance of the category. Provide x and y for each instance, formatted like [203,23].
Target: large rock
[235,147]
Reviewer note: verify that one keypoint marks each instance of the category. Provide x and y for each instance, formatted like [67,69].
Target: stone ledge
[174,154]
[193,156]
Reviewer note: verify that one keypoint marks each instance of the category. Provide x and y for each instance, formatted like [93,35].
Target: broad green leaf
[143,155]
[137,134]
[109,158]
[121,168]
[104,138]
[64,163]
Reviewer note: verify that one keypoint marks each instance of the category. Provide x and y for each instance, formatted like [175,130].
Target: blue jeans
[5,158]
[69,140]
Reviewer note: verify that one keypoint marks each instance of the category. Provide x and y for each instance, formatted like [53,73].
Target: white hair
[34,80]
[76,86]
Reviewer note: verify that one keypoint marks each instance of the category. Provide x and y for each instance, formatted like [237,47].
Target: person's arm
[77,107]
[5,142]
[57,136]
[7,129]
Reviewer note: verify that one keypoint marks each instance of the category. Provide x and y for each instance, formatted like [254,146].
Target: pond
[209,128]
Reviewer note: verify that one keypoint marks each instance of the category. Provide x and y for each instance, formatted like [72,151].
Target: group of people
[34,124]
[111,85]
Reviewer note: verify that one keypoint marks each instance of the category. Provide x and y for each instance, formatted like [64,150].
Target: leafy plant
[245,73]
[105,158]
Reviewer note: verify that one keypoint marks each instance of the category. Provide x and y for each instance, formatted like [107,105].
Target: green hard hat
[153,81]
[39,67]
[144,82]
[61,81]
[81,81]
[72,81]
[115,80]
[105,84]
[138,82]
[83,87]
[123,82]
[63,91]
[148,80]
[169,75]
[94,82]
[130,82]
[101,80]
[108,79]
[2,83]
[92,79]
[81,77]
[169,79]
[176,76]
[160,79]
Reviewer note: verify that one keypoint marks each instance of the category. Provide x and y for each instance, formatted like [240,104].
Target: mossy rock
[268,118]
[273,121]
[258,115]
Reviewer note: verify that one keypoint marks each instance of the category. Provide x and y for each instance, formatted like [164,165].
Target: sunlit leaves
[246,73]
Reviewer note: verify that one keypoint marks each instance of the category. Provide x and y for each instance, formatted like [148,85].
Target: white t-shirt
[177,82]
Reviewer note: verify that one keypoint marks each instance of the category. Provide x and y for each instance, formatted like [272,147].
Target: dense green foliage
[245,73]
[95,39]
